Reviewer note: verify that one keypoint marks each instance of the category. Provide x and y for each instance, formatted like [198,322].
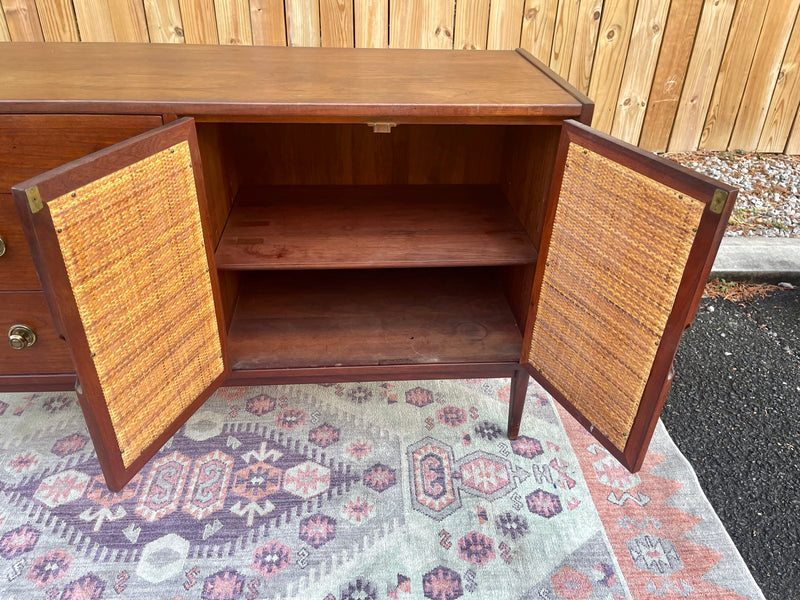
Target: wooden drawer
[16,267]
[49,354]
[32,144]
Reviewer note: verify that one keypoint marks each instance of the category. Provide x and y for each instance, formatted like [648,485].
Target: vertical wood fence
[670,75]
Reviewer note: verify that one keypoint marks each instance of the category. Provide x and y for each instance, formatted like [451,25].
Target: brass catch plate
[34,199]
[382,127]
[718,201]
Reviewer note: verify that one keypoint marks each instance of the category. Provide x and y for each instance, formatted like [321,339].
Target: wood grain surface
[733,72]
[763,75]
[199,22]
[16,267]
[538,24]
[640,66]
[372,226]
[785,99]
[609,60]
[701,75]
[268,22]
[164,22]
[58,21]
[472,25]
[371,22]
[586,30]
[280,81]
[29,141]
[673,61]
[49,354]
[336,23]
[397,316]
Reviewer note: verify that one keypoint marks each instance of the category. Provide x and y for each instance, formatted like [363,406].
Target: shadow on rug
[355,491]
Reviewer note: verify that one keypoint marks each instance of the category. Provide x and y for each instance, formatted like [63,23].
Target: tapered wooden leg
[519,387]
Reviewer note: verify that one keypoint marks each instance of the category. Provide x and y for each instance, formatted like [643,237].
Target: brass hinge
[34,199]
[718,201]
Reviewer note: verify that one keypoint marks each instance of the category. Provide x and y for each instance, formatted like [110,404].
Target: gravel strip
[768,204]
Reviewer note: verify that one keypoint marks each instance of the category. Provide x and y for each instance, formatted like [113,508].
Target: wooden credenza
[179,218]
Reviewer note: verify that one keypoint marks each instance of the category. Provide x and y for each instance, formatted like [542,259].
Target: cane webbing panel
[617,253]
[133,247]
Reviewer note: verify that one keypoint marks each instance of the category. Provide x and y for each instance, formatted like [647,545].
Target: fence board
[472,24]
[538,23]
[701,75]
[747,22]
[129,21]
[793,144]
[371,23]
[57,21]
[785,98]
[4,35]
[763,74]
[268,22]
[505,17]
[164,22]
[564,36]
[580,68]
[673,61]
[640,68]
[609,61]
[421,23]
[336,23]
[233,22]
[200,21]
[22,20]
[94,20]
[302,22]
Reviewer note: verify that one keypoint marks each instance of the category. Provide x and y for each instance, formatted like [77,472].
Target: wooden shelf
[336,227]
[295,319]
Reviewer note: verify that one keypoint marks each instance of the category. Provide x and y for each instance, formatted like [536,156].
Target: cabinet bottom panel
[299,319]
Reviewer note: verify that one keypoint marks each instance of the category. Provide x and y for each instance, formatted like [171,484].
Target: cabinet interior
[336,245]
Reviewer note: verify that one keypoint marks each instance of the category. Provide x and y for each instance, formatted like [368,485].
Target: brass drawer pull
[2,246]
[21,336]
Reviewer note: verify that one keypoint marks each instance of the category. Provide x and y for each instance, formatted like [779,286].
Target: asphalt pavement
[734,411]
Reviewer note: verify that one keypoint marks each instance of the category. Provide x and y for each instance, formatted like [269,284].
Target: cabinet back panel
[339,154]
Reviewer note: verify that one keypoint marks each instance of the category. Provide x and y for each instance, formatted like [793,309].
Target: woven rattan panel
[618,249]
[133,247]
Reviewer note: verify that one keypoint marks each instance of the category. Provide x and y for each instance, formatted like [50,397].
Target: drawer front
[49,354]
[32,144]
[16,266]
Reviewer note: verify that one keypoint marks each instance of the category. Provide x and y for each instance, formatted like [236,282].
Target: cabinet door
[628,242]
[121,243]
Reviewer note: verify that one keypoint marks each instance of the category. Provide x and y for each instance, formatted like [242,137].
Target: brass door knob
[21,336]
[2,246]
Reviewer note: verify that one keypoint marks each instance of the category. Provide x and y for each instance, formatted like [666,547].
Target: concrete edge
[761,260]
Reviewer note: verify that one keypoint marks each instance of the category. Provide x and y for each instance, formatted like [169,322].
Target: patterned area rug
[355,492]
